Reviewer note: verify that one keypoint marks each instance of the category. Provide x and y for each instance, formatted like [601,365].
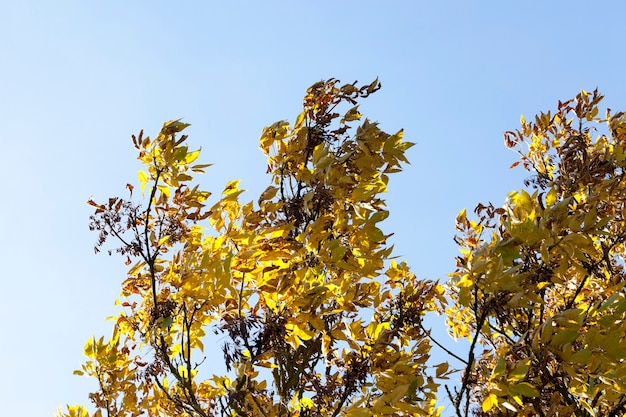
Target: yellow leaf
[232,190]
[306,403]
[461,218]
[465,281]
[489,402]
[300,120]
[183,177]
[398,393]
[90,349]
[352,114]
[374,329]
[197,343]
[200,168]
[324,162]
[176,350]
[442,368]
[165,190]
[590,219]
[268,194]
[192,156]
[296,330]
[231,186]
[375,85]
[163,240]
[143,179]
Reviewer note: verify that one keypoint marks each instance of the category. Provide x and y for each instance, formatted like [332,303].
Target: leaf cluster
[317,318]
[540,281]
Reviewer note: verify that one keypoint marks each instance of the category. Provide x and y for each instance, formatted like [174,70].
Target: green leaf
[499,368]
[525,389]
[582,356]
[166,322]
[337,253]
[520,371]
[564,337]
[379,216]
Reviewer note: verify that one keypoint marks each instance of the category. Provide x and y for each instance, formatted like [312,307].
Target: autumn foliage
[316,318]
[540,284]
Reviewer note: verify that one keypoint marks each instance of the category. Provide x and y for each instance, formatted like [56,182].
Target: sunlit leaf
[489,402]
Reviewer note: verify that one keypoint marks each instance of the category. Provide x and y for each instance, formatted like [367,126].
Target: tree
[540,283]
[318,319]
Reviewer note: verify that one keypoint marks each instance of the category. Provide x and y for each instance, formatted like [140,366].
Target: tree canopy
[317,317]
[314,314]
[541,280]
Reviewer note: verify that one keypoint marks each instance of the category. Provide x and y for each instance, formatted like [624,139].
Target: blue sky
[77,78]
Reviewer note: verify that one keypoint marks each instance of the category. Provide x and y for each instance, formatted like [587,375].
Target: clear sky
[77,78]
